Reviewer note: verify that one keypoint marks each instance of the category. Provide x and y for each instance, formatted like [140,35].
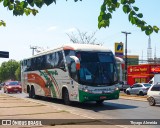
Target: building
[141,73]
[132,59]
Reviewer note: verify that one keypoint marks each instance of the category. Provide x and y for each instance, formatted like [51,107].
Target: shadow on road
[90,105]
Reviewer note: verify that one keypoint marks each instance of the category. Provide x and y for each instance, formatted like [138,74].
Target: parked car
[122,86]
[154,94]
[12,86]
[138,89]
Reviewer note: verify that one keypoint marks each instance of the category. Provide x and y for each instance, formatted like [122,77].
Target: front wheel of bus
[99,102]
[66,97]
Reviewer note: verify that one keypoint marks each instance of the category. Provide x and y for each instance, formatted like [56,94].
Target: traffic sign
[4,54]
[119,49]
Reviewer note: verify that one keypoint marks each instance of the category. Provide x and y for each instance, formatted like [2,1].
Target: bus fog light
[86,98]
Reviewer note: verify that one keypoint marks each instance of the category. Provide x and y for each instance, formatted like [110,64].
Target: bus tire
[99,102]
[33,92]
[30,93]
[66,97]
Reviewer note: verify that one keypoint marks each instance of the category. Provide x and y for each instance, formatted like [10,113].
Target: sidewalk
[133,97]
[19,112]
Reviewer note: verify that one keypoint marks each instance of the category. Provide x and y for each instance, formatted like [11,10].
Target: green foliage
[20,7]
[18,73]
[109,6]
[2,23]
[10,70]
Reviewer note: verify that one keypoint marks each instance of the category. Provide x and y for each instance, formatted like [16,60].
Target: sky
[49,28]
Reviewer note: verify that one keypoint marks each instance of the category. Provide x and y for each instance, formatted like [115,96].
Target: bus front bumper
[86,96]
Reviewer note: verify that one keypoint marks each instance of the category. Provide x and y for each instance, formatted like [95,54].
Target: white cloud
[71,30]
[52,28]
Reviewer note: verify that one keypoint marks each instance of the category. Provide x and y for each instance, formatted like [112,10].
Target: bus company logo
[6,122]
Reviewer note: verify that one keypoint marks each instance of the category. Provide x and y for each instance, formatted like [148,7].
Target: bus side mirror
[77,62]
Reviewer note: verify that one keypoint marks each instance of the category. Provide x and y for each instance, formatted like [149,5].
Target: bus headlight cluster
[116,88]
[87,90]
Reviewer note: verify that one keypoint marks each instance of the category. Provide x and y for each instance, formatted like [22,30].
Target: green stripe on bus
[85,96]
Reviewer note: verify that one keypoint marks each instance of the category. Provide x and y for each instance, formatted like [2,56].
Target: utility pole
[33,48]
[126,59]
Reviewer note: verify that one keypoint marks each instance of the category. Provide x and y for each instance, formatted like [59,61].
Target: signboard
[4,54]
[155,69]
[138,69]
[119,49]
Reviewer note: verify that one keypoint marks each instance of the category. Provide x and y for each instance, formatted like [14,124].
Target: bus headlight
[116,88]
[87,90]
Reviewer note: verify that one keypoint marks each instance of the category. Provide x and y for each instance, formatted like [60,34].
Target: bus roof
[76,47]
[85,47]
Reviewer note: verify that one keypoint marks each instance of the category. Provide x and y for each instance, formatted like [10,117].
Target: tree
[8,70]
[20,7]
[83,37]
[18,73]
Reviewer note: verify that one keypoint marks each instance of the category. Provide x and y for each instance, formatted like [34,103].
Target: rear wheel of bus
[32,92]
[66,97]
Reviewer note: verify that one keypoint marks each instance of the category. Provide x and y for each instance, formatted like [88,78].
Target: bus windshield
[97,68]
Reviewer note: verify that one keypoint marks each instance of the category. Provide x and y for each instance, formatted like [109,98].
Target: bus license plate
[103,97]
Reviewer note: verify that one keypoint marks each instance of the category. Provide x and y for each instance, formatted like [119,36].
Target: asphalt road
[113,109]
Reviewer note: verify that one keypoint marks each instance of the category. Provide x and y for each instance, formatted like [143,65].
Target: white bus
[73,72]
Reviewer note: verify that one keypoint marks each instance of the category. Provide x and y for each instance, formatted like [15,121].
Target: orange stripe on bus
[35,78]
[55,83]
[68,48]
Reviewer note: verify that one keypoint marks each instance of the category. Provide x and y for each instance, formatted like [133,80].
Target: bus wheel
[66,97]
[33,93]
[30,93]
[99,102]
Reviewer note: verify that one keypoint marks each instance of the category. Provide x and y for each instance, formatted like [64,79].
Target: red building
[142,73]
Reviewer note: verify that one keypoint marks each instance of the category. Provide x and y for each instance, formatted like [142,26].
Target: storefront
[142,73]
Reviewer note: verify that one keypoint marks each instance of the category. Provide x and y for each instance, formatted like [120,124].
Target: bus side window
[29,65]
[61,64]
[40,63]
